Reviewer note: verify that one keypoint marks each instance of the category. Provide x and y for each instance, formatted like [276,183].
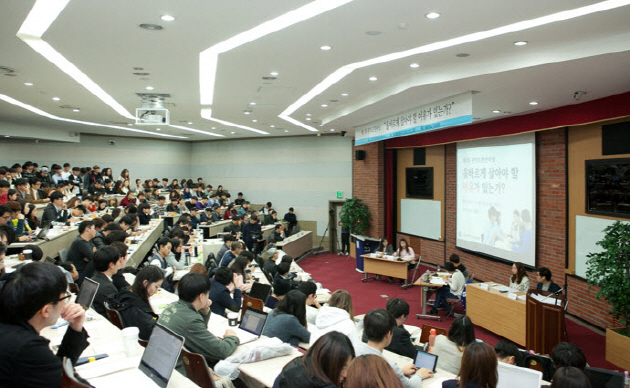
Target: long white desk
[56,240]
[144,243]
[298,244]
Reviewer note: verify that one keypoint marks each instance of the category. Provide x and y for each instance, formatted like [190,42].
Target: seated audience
[401,338]
[544,281]
[371,371]
[239,200]
[386,248]
[309,288]
[235,249]
[453,289]
[34,297]
[159,260]
[478,368]
[404,251]
[507,353]
[174,258]
[378,325]
[189,317]
[107,262]
[69,271]
[173,206]
[324,364]
[144,213]
[288,320]
[133,302]
[570,377]
[56,210]
[37,194]
[336,315]
[450,349]
[454,258]
[227,243]
[519,280]
[82,249]
[568,354]
[277,294]
[223,293]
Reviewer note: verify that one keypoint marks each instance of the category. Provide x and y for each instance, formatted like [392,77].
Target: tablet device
[426,360]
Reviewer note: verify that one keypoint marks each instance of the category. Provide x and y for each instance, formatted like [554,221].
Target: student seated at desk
[478,368]
[568,354]
[378,325]
[450,349]
[227,243]
[454,258]
[323,366]
[280,289]
[133,303]
[404,251]
[508,353]
[107,262]
[82,249]
[174,258]
[386,248]
[223,293]
[235,249]
[33,298]
[189,318]
[288,320]
[371,371]
[519,280]
[336,315]
[544,281]
[56,210]
[570,377]
[453,289]
[309,288]
[401,338]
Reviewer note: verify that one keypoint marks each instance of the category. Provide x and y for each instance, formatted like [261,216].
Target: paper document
[437,280]
[505,289]
[550,299]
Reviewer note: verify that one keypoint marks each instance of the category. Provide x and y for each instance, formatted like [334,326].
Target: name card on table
[512,296]
[484,286]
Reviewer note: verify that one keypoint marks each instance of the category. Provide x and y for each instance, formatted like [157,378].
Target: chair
[251,302]
[267,275]
[457,301]
[114,317]
[143,343]
[68,379]
[63,255]
[73,288]
[426,331]
[197,369]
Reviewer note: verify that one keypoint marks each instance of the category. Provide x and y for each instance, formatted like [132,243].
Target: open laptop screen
[511,376]
[253,321]
[426,360]
[603,378]
[260,291]
[87,292]
[161,354]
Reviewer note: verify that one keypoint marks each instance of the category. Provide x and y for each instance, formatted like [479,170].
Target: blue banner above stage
[448,112]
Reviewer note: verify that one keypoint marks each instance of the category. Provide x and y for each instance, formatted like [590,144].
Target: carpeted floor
[338,272]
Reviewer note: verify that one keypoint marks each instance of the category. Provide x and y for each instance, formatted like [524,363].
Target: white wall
[302,172]
[145,158]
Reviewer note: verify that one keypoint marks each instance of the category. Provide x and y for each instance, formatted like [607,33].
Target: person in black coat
[107,262]
[133,303]
[56,210]
[33,298]
[544,281]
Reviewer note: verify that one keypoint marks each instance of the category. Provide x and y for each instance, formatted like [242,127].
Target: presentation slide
[496,197]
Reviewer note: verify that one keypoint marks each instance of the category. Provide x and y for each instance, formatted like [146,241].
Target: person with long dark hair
[288,319]
[478,368]
[519,279]
[371,371]
[450,349]
[134,306]
[570,377]
[323,366]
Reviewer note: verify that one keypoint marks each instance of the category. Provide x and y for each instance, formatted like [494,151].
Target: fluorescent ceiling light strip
[40,112]
[39,19]
[519,26]
[196,130]
[206,113]
[208,58]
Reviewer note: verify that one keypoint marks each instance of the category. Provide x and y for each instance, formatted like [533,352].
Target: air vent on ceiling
[269,78]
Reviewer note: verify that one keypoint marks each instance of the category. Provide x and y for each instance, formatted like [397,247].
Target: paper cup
[130,340]
[232,319]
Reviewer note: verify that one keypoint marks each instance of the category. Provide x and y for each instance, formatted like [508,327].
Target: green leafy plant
[610,271]
[356,215]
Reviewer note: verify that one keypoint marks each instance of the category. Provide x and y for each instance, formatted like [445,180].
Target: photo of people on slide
[519,236]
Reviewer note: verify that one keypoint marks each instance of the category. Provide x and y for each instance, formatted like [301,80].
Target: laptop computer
[426,360]
[87,293]
[260,291]
[43,232]
[603,378]
[252,325]
[156,366]
[511,376]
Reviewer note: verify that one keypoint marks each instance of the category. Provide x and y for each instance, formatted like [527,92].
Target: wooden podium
[545,322]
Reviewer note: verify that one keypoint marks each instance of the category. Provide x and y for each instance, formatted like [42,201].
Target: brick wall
[551,238]
[368,183]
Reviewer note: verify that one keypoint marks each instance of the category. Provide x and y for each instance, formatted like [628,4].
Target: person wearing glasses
[34,297]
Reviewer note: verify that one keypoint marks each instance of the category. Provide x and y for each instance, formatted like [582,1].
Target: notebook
[156,366]
[603,378]
[511,376]
[260,291]
[426,360]
[252,325]
[86,293]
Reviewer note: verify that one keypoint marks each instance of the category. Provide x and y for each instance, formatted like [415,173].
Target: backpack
[211,264]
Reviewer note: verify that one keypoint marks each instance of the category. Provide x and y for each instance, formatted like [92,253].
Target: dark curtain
[390,200]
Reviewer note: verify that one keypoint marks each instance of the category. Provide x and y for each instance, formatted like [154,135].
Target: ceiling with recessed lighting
[243,69]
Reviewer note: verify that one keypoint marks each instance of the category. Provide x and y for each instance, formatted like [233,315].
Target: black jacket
[26,359]
[294,375]
[553,287]
[135,312]
[50,214]
[144,218]
[99,240]
[401,343]
[105,289]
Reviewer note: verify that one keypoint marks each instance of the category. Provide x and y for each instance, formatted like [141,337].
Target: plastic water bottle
[426,276]
[432,335]
[626,380]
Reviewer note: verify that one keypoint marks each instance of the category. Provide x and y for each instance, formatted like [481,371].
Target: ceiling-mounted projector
[152,111]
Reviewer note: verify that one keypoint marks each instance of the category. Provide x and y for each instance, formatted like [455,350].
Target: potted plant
[610,271]
[356,215]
